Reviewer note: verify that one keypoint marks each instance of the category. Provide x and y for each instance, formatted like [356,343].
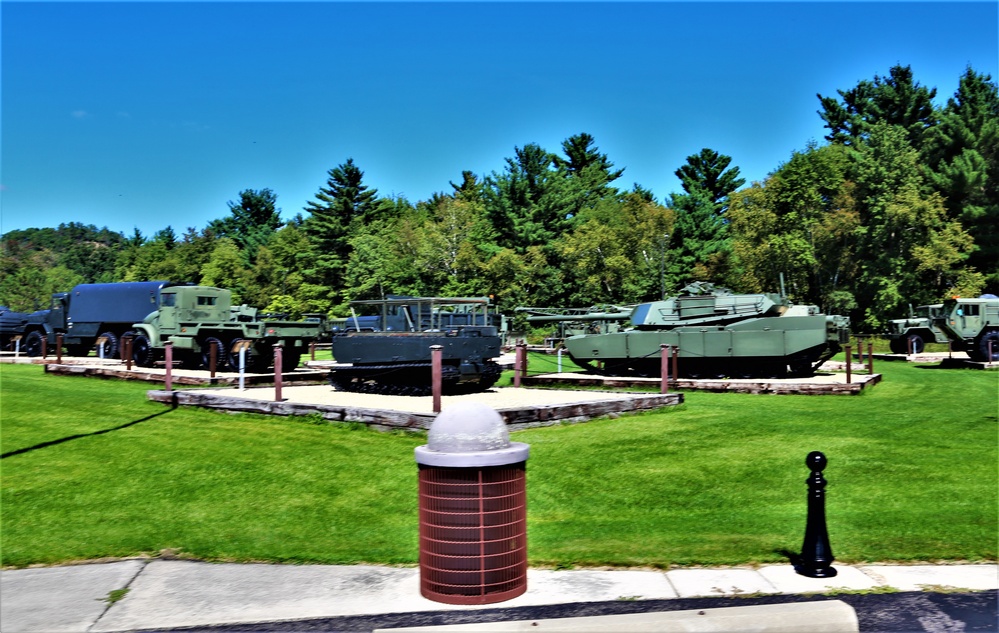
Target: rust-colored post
[45,346]
[436,384]
[676,354]
[168,359]
[520,368]
[908,344]
[213,357]
[278,378]
[860,350]
[59,348]
[870,358]
[849,362]
[127,352]
[663,367]
[312,349]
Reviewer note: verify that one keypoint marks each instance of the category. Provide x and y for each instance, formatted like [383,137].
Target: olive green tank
[718,334]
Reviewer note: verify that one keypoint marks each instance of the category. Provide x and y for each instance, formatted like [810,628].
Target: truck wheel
[914,342]
[221,354]
[257,364]
[983,347]
[290,360]
[233,356]
[110,345]
[77,350]
[898,346]
[143,353]
[33,344]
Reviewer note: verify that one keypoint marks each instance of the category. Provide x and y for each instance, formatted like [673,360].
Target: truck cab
[197,304]
[973,325]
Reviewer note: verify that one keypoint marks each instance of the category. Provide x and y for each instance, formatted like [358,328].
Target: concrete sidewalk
[146,594]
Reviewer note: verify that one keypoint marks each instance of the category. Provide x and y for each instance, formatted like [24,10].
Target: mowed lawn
[91,470]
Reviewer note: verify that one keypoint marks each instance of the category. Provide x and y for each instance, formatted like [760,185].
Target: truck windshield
[168,300]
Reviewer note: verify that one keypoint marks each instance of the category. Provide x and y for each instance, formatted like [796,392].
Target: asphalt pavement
[174,595]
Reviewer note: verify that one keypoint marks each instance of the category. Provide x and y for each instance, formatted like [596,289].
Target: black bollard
[816,553]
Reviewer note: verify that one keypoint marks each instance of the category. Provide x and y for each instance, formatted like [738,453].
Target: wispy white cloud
[80,114]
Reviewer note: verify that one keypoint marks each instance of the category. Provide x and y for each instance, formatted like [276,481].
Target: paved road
[902,612]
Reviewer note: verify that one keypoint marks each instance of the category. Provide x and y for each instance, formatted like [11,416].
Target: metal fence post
[127,352]
[436,360]
[849,362]
[675,373]
[520,369]
[168,359]
[59,348]
[278,359]
[664,354]
[213,357]
[870,358]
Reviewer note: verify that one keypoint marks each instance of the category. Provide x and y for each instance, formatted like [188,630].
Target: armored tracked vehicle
[387,349]
[718,334]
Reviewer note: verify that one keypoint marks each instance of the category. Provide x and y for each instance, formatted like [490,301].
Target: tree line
[899,205]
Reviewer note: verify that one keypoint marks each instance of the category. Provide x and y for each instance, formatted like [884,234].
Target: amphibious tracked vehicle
[718,333]
[386,350]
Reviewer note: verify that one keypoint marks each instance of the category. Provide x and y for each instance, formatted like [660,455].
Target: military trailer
[972,325]
[717,333]
[387,349]
[197,319]
[90,313]
[910,336]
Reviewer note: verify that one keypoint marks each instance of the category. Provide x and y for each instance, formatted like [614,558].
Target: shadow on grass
[793,557]
[82,435]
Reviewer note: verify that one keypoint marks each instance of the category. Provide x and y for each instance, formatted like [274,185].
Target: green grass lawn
[91,469]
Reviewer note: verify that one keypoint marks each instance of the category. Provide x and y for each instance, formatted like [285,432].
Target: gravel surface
[497,398]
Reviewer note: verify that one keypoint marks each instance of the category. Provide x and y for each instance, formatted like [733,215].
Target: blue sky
[143,115]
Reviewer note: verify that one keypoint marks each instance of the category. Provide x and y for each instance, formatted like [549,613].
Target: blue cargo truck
[91,312]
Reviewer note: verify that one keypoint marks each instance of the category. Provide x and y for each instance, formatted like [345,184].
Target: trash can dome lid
[466,427]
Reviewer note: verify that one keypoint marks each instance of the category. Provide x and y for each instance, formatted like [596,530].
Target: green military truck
[972,325]
[197,318]
[910,335]
[968,324]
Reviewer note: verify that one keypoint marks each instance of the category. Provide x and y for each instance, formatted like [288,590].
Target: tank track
[409,379]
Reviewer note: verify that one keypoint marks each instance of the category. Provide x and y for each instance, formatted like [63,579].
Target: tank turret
[703,303]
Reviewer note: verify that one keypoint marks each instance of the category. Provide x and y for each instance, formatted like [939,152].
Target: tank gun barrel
[593,313]
[586,316]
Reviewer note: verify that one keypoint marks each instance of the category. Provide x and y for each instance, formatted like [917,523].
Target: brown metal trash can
[473,509]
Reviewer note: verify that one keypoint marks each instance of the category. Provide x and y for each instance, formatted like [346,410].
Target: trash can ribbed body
[473,533]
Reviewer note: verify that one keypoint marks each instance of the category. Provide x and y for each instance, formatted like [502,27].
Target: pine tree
[707,175]
[962,153]
[344,205]
[251,223]
[895,100]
